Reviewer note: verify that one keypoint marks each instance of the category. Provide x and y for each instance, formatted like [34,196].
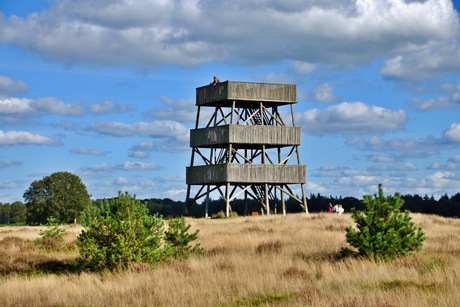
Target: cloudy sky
[106,89]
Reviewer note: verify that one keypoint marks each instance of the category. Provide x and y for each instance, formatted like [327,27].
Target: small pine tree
[53,235]
[120,234]
[383,231]
[178,238]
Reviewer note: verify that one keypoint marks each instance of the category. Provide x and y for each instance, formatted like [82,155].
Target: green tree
[18,213]
[120,233]
[179,238]
[5,211]
[383,231]
[61,195]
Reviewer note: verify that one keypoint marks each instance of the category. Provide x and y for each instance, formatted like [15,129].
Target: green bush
[53,236]
[119,234]
[222,215]
[179,239]
[382,230]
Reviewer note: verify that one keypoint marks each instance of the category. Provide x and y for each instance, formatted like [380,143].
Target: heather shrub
[270,247]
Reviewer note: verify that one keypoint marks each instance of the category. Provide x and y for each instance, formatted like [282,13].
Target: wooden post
[233,111]
[206,209]
[283,204]
[245,203]
[267,202]
[227,200]
[302,186]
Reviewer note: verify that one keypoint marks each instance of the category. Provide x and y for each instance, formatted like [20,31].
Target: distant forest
[445,206]
[15,213]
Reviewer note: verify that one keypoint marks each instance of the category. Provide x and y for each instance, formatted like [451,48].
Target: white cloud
[448,99]
[455,159]
[171,144]
[449,166]
[432,104]
[302,68]
[148,33]
[318,188]
[335,171]
[406,166]
[88,151]
[413,147]
[66,124]
[98,167]
[11,106]
[121,181]
[358,183]
[174,192]
[51,105]
[273,77]
[162,128]
[381,158]
[21,107]
[139,154]
[435,166]
[438,180]
[174,178]
[108,106]
[13,137]
[95,170]
[8,184]
[351,118]
[9,163]
[356,180]
[453,90]
[10,87]
[453,133]
[431,61]
[138,166]
[422,147]
[180,110]
[324,93]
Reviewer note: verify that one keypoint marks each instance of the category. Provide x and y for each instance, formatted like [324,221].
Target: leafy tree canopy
[61,195]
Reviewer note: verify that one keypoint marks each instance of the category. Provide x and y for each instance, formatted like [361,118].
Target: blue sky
[106,89]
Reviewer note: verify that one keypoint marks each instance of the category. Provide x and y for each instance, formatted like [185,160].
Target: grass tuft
[270,247]
[265,300]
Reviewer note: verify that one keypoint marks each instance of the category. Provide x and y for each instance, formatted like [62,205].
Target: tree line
[19,213]
[444,206]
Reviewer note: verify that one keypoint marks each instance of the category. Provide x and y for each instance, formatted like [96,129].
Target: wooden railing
[246,91]
[245,134]
[246,173]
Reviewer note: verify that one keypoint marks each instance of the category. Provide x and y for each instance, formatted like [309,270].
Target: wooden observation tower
[242,147]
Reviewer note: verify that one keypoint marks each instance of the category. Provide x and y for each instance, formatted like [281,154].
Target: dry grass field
[249,261]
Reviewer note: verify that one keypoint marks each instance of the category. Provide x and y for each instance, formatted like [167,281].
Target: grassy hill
[249,261]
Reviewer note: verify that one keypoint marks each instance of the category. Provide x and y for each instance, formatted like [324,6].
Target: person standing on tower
[215,81]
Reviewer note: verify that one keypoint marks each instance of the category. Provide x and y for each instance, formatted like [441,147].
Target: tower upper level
[246,94]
